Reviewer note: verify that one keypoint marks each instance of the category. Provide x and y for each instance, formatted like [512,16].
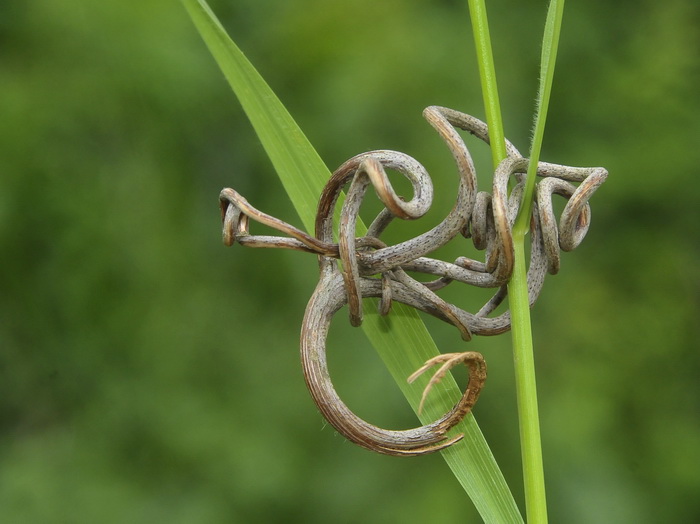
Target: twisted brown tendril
[485,218]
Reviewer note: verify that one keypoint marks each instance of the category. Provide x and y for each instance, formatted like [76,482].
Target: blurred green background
[148,374]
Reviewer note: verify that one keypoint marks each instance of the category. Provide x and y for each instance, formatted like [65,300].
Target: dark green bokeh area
[149,374]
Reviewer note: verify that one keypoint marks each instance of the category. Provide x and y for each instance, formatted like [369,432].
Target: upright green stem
[523,354]
[526,387]
[487,74]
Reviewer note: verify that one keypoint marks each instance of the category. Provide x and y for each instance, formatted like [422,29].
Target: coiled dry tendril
[370,268]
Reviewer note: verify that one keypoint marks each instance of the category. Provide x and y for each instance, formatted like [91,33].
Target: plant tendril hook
[370,268]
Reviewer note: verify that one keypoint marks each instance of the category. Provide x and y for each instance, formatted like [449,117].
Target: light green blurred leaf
[401,339]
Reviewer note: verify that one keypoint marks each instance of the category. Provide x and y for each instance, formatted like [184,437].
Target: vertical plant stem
[526,389]
[523,353]
[487,74]
[517,287]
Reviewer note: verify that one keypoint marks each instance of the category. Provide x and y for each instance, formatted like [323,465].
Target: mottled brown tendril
[370,268]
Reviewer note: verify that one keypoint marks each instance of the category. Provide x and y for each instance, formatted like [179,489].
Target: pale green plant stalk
[523,353]
[487,76]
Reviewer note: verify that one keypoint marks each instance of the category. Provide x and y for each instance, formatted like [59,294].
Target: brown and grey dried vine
[370,268]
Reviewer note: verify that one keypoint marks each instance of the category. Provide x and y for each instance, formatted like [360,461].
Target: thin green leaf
[550,44]
[525,383]
[401,339]
[300,168]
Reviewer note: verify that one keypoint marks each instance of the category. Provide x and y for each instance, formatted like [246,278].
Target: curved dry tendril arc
[370,268]
[326,300]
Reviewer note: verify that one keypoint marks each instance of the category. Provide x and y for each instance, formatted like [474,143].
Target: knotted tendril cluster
[371,268]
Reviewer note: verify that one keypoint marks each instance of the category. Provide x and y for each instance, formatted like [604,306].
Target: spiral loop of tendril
[486,218]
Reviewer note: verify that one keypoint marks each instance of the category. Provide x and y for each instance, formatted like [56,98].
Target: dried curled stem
[486,218]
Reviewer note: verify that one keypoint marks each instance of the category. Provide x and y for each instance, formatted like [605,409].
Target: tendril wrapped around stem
[486,218]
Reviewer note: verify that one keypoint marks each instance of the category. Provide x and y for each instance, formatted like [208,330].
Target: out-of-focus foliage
[148,374]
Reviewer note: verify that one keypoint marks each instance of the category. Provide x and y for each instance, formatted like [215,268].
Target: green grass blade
[300,168]
[523,351]
[401,339]
[550,44]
